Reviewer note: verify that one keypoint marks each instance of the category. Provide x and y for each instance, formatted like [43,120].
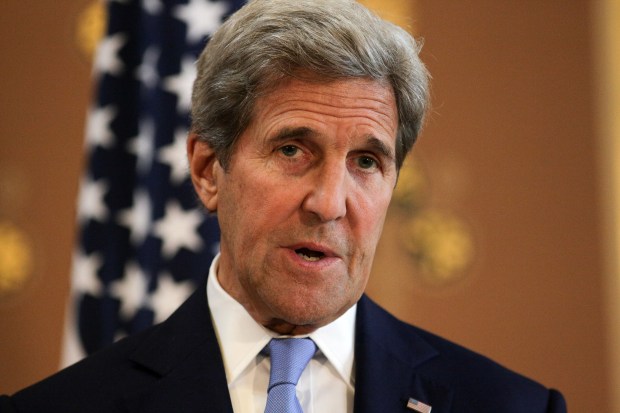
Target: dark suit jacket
[177,367]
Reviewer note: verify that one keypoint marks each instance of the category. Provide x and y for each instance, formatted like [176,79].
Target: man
[303,112]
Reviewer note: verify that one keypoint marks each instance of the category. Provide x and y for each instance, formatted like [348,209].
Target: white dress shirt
[327,383]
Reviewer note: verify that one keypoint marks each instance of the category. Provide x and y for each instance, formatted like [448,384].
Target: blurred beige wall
[44,94]
[510,163]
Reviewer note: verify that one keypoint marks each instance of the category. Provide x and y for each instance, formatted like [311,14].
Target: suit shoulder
[485,384]
[447,351]
[476,379]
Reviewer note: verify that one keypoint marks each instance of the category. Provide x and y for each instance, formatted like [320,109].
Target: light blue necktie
[289,358]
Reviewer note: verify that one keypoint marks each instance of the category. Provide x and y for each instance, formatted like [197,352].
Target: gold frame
[607,15]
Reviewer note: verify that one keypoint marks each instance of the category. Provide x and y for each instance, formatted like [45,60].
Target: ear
[203,168]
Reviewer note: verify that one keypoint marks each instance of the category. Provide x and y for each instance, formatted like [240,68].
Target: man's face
[302,203]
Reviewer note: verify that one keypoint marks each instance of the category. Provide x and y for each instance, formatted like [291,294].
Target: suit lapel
[184,353]
[387,360]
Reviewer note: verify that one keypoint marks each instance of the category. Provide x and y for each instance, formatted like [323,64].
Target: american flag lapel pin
[418,406]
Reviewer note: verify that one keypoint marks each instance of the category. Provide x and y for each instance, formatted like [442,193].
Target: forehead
[358,101]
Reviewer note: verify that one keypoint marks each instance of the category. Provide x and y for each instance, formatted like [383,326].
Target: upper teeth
[308,257]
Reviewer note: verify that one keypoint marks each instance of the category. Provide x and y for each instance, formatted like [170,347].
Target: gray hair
[267,41]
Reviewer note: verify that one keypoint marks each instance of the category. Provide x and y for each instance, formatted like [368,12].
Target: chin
[312,315]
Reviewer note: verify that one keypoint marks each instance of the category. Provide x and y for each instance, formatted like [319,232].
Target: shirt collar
[242,339]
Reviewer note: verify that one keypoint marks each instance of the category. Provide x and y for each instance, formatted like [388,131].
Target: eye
[366,162]
[289,150]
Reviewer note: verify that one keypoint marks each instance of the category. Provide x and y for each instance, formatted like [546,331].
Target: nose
[327,196]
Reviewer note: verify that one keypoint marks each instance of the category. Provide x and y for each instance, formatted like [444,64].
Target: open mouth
[309,255]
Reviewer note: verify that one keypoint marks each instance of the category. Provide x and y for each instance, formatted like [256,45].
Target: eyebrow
[290,133]
[379,146]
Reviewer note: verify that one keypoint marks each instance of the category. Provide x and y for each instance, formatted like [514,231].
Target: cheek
[371,212]
[367,232]
[371,220]
[254,210]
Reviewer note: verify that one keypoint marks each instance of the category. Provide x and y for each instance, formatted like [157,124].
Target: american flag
[142,241]
[418,406]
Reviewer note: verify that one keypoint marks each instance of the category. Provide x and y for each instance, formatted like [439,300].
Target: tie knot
[289,358]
